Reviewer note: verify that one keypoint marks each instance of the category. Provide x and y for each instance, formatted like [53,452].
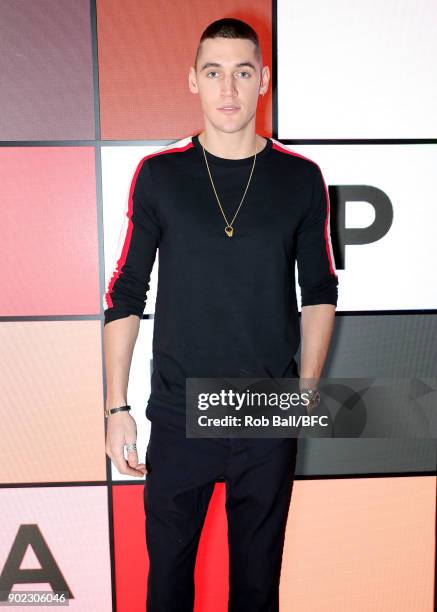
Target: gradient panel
[212,563]
[364,544]
[345,70]
[383,250]
[48,246]
[63,533]
[138,393]
[132,562]
[51,390]
[376,346]
[145,52]
[353,456]
[130,553]
[118,169]
[357,69]
[47,90]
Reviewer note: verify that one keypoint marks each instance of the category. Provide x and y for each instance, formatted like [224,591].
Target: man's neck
[236,145]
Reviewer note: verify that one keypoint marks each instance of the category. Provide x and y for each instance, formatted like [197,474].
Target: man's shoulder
[287,155]
[163,153]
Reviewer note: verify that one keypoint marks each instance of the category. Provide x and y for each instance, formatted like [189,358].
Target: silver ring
[131,446]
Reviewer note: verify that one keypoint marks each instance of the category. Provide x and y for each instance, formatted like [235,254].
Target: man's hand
[308,387]
[122,429]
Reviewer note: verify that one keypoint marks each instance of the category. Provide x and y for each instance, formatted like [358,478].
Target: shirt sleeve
[127,288]
[317,276]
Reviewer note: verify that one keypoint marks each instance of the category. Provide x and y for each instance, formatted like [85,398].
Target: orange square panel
[360,544]
[145,52]
[52,421]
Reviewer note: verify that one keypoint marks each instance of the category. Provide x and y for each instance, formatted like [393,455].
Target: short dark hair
[229,27]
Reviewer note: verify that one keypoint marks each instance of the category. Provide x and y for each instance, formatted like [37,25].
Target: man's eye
[243,72]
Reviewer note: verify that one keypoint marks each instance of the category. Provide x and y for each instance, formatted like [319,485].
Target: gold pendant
[229,230]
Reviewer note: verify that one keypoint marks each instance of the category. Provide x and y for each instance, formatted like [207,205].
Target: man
[230,212]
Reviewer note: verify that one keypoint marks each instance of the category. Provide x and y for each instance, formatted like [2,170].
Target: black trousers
[259,477]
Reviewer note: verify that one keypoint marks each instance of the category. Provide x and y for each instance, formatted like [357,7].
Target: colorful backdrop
[88,87]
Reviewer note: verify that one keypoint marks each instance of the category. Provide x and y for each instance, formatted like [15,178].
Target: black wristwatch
[109,411]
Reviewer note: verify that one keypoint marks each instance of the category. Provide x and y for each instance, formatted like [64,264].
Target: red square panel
[132,562]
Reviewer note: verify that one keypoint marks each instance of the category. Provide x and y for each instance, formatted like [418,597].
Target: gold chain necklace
[229,229]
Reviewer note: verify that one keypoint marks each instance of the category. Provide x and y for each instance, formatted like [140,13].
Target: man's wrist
[308,391]
[115,400]
[308,382]
[111,409]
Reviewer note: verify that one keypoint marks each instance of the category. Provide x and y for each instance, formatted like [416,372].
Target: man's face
[228,75]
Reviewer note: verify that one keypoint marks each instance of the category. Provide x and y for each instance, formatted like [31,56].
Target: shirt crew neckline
[226,161]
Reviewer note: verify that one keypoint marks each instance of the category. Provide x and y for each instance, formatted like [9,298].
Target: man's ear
[264,82]
[192,81]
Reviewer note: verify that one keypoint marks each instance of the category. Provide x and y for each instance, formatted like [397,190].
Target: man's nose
[228,86]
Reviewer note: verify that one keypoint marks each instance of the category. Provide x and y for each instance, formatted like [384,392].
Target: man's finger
[132,458]
[132,455]
[123,467]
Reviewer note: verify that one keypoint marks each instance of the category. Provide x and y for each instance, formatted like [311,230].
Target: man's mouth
[229,109]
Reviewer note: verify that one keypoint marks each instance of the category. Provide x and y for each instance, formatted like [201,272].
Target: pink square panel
[48,235]
[57,538]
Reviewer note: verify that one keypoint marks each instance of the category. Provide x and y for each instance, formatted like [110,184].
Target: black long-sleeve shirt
[225,306]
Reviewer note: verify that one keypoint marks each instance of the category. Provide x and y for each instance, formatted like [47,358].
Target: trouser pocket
[148,464]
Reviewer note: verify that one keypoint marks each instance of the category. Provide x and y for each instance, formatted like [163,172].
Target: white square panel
[118,168]
[349,69]
[396,271]
[138,393]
